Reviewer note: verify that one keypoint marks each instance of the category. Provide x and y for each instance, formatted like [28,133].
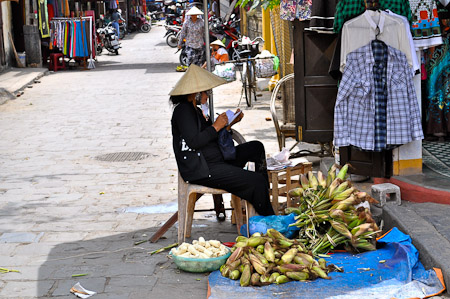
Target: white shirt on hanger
[361,30]
[415,60]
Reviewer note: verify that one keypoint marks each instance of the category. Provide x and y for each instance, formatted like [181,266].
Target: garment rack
[91,35]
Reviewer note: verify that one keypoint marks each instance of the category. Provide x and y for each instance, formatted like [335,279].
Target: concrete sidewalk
[15,80]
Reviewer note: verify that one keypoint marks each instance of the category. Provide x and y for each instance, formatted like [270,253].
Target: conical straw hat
[194,11]
[218,42]
[195,80]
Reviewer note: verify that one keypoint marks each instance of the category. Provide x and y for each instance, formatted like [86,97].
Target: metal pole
[208,55]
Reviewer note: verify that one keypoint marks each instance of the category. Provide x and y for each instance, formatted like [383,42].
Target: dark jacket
[188,141]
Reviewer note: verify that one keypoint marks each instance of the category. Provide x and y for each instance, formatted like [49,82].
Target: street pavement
[63,211]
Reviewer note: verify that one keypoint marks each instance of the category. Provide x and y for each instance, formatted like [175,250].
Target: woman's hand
[237,119]
[221,122]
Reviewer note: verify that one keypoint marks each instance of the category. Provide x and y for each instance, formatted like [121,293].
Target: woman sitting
[218,54]
[195,143]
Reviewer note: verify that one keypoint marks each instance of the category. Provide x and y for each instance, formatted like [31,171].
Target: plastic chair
[284,90]
[188,194]
[56,62]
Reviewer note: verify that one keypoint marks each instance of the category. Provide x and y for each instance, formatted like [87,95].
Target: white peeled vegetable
[207,244]
[192,250]
[215,243]
[199,247]
[201,241]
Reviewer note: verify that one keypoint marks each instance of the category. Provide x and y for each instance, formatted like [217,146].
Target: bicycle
[248,71]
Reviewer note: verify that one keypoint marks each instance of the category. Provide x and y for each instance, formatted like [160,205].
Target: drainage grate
[123,156]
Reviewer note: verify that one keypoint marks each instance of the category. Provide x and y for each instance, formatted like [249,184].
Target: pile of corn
[272,258]
[327,216]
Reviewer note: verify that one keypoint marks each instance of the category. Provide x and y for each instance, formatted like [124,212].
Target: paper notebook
[231,115]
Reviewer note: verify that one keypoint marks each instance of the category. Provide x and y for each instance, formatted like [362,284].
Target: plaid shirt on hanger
[355,109]
[380,55]
[348,9]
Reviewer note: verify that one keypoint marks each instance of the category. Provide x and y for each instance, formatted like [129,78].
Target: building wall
[7,28]
[255,24]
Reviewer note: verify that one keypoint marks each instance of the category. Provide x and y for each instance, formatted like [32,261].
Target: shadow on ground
[118,269]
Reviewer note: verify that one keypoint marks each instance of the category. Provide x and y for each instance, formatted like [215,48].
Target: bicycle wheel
[245,84]
[250,86]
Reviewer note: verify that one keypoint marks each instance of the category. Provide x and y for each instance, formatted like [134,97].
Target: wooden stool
[56,62]
[283,180]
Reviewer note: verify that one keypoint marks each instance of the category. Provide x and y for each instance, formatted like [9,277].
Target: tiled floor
[436,156]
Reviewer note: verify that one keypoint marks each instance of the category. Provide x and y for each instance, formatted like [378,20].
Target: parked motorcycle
[106,38]
[173,19]
[172,35]
[139,23]
[225,32]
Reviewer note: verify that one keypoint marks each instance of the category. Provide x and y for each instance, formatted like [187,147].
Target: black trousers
[249,185]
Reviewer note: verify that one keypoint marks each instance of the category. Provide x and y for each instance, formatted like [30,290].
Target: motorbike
[173,19]
[227,33]
[172,35]
[139,23]
[106,38]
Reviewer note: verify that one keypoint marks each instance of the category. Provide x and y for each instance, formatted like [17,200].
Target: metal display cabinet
[315,97]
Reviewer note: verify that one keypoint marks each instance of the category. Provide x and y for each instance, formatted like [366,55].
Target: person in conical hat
[218,54]
[192,35]
[196,147]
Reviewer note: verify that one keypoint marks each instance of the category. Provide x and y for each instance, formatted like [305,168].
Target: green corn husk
[245,276]
[260,256]
[255,279]
[321,273]
[313,183]
[343,172]
[225,271]
[322,180]
[234,265]
[291,268]
[260,248]
[331,175]
[341,228]
[289,255]
[365,245]
[269,253]
[296,192]
[276,235]
[304,182]
[284,243]
[257,265]
[241,268]
[282,279]
[332,187]
[236,255]
[361,229]
[322,263]
[264,278]
[273,277]
[241,244]
[234,275]
[300,276]
[241,239]
[345,194]
[255,241]
[341,188]
[291,210]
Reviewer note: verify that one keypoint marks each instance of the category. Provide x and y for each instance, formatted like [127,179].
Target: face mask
[205,109]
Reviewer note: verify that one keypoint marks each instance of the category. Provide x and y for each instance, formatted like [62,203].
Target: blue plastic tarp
[392,271]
